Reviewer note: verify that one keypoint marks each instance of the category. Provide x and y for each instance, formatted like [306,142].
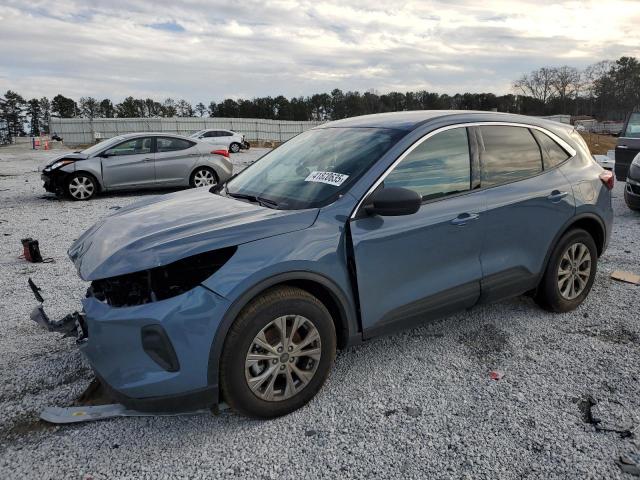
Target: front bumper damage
[152,357]
[71,325]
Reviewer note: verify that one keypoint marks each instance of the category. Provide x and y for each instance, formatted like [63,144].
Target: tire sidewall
[77,175]
[234,356]
[193,176]
[551,291]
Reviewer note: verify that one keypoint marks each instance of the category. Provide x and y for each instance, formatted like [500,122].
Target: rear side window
[552,153]
[507,154]
[633,126]
[168,144]
[438,167]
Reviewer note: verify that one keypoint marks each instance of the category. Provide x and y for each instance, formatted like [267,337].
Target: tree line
[606,90]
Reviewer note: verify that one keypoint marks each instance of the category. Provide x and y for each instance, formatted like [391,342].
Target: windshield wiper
[263,202]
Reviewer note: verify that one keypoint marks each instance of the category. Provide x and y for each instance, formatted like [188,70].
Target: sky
[204,50]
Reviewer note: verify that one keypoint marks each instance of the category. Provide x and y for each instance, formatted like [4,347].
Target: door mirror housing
[393,202]
[105,154]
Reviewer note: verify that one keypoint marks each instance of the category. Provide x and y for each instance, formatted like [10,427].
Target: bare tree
[538,84]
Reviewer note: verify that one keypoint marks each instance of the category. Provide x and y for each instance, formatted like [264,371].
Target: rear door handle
[147,159]
[464,218]
[556,196]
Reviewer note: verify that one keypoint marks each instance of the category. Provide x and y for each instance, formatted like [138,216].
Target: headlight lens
[636,161]
[60,163]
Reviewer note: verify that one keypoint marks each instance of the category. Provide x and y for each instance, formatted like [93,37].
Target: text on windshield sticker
[331,178]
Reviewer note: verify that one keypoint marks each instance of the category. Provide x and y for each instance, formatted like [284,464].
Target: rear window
[168,144]
[507,154]
[633,126]
[552,153]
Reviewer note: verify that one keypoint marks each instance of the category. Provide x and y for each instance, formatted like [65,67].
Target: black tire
[234,147]
[548,294]
[258,314]
[81,186]
[202,172]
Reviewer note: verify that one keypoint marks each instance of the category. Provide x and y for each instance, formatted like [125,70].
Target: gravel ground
[418,404]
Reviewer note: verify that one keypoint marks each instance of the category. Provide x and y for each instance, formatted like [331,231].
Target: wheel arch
[332,297]
[589,222]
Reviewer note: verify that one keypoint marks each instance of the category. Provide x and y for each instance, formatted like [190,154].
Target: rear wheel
[81,186]
[277,354]
[570,273]
[234,147]
[203,177]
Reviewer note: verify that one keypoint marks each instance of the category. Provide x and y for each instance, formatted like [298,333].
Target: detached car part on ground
[234,141]
[137,161]
[350,230]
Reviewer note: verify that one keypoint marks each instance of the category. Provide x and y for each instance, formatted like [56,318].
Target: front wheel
[570,273]
[277,354]
[234,147]
[203,177]
[81,186]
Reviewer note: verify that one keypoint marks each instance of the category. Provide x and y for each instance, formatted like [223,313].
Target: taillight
[607,178]
[224,153]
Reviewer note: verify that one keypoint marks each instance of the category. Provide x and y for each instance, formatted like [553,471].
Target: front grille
[635,189]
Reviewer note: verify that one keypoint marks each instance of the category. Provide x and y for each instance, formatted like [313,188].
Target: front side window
[507,154]
[134,146]
[633,126]
[438,167]
[552,153]
[169,144]
[314,168]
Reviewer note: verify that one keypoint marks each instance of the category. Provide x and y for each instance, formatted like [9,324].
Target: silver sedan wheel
[203,178]
[574,270]
[81,187]
[283,358]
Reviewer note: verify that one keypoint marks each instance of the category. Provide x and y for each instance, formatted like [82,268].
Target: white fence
[84,131]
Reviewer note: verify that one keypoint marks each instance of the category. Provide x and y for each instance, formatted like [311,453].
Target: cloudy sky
[204,50]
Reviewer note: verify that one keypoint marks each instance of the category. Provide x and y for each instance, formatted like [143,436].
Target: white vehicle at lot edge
[233,140]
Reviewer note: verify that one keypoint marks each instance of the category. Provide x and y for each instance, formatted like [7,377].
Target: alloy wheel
[81,187]
[203,178]
[574,270]
[283,358]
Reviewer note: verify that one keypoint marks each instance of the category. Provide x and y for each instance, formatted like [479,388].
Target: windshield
[314,168]
[98,147]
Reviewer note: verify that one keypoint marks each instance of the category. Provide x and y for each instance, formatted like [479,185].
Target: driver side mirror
[105,154]
[393,202]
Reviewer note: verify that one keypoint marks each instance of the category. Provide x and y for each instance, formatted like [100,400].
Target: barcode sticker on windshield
[331,178]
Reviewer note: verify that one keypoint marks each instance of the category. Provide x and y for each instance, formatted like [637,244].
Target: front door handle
[147,159]
[623,147]
[464,218]
[556,196]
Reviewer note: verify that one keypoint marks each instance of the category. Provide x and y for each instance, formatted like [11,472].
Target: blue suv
[357,228]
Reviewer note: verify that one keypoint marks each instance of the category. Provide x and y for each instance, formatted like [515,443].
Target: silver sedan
[136,161]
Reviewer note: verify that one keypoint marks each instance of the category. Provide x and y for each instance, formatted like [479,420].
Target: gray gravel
[418,404]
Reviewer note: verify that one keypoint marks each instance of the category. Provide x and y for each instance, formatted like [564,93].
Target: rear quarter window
[552,153]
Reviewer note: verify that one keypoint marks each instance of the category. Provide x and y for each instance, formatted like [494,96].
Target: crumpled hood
[71,155]
[166,228]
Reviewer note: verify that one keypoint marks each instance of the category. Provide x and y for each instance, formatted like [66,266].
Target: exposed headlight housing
[159,283]
[60,163]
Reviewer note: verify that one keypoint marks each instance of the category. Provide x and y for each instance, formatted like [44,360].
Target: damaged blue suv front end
[148,321]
